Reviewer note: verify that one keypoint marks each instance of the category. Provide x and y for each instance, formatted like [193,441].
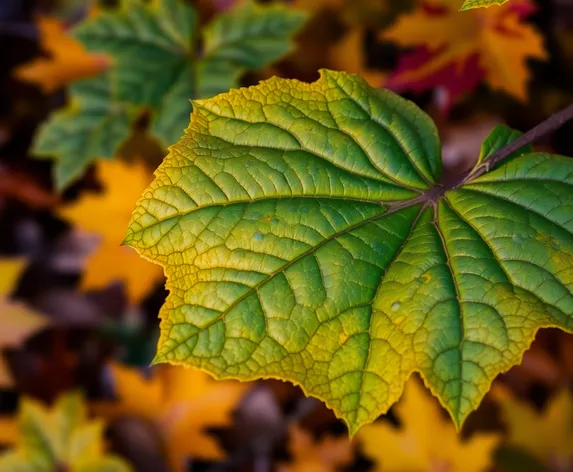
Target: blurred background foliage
[78,312]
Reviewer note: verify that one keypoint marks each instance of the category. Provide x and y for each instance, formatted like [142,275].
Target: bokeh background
[78,313]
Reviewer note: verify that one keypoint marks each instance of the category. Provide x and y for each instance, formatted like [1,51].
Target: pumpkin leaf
[166,34]
[455,52]
[425,440]
[59,438]
[304,237]
[17,322]
[547,434]
[469,4]
[182,403]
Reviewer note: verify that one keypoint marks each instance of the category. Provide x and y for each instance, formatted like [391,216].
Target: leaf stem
[551,124]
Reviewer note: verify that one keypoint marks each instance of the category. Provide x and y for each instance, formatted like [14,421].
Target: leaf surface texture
[302,235]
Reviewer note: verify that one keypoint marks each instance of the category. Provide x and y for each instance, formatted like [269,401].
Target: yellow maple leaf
[426,440]
[8,431]
[181,403]
[17,322]
[68,59]
[107,214]
[547,434]
[497,37]
[349,55]
[309,456]
[59,438]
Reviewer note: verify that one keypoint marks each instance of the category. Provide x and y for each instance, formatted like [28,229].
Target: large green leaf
[305,237]
[469,4]
[157,65]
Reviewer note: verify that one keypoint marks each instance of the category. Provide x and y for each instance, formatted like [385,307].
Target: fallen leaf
[349,281]
[8,431]
[309,456]
[17,322]
[454,52]
[181,402]
[425,441]
[547,434]
[108,214]
[60,438]
[68,59]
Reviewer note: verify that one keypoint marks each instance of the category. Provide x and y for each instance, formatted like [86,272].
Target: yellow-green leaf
[59,438]
[305,237]
[547,434]
[182,403]
[469,4]
[425,440]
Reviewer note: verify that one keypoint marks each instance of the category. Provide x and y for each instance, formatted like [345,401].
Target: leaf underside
[469,4]
[297,230]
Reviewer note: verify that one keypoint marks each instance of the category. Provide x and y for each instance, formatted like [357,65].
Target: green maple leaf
[157,65]
[59,439]
[305,237]
[93,126]
[469,4]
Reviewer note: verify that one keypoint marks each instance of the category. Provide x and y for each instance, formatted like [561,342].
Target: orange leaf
[547,434]
[68,59]
[323,456]
[8,431]
[181,403]
[426,440]
[498,37]
[108,214]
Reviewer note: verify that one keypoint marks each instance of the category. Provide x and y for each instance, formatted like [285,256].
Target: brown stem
[551,124]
